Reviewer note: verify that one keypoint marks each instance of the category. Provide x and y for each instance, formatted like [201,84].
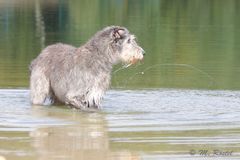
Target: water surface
[146,124]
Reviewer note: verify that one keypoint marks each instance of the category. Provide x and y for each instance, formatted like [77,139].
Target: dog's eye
[129,40]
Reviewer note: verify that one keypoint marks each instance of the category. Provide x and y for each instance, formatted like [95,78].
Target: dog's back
[53,52]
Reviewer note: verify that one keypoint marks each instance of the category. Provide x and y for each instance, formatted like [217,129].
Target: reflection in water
[86,138]
[147,124]
[40,26]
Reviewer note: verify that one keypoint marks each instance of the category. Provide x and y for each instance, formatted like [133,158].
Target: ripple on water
[159,109]
[169,109]
[156,124]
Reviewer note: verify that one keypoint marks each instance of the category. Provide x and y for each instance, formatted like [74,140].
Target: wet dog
[79,76]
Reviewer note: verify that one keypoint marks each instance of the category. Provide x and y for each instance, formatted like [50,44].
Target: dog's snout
[143,52]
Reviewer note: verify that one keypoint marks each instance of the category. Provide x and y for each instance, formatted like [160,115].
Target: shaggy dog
[79,76]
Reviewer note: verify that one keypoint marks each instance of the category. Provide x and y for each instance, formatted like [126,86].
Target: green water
[171,106]
[200,33]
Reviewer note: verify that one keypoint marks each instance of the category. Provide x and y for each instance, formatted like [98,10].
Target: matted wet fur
[79,76]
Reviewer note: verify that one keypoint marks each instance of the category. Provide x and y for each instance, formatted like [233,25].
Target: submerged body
[80,76]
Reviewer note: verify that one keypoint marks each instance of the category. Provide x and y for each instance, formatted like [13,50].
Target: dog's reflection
[82,136]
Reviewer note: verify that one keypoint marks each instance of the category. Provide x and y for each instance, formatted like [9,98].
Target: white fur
[39,87]
[94,97]
[131,51]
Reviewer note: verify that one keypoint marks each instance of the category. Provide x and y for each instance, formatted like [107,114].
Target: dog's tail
[39,86]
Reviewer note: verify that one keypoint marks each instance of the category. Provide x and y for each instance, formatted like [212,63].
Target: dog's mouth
[135,60]
[132,62]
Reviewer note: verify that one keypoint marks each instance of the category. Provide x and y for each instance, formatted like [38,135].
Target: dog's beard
[131,62]
[134,61]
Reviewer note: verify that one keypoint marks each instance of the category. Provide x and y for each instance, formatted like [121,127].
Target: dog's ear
[118,33]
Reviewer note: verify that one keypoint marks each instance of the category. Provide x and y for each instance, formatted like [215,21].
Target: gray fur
[80,76]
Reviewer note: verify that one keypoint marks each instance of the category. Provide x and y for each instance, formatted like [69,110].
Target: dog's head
[126,46]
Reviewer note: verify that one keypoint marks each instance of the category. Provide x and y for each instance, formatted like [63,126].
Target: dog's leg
[39,87]
[76,101]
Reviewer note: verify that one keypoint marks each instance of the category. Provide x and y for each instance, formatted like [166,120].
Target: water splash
[211,79]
